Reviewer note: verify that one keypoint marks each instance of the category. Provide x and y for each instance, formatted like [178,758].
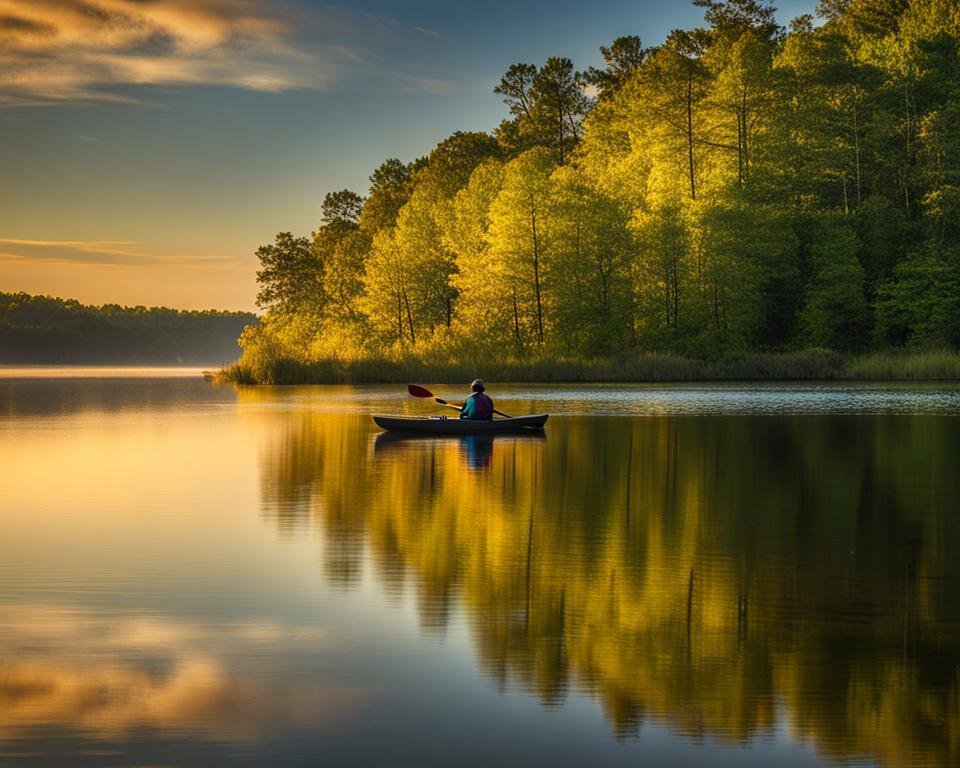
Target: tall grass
[805,365]
[934,365]
[814,364]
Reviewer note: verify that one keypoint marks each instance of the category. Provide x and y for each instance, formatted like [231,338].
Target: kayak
[441,425]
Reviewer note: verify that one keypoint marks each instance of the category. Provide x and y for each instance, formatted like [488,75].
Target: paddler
[478,406]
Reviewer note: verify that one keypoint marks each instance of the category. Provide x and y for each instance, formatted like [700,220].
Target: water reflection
[47,396]
[724,575]
[111,677]
[475,450]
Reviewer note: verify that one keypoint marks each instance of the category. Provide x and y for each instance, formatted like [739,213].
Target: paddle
[417,391]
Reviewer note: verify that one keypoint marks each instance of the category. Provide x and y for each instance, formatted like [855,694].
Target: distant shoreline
[45,330]
[105,371]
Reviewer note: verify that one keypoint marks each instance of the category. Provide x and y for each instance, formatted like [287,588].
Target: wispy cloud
[127,674]
[106,252]
[52,51]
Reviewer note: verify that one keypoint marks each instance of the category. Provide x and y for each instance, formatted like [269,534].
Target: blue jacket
[478,406]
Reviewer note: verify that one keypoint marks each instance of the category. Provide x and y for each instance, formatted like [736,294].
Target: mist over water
[671,575]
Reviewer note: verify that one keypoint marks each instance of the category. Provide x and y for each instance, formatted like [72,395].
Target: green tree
[590,278]
[340,246]
[738,247]
[343,207]
[391,185]
[672,91]
[835,313]
[885,238]
[730,19]
[921,305]
[741,97]
[482,319]
[290,277]
[664,277]
[521,241]
[622,59]
[548,105]
[386,300]
[421,258]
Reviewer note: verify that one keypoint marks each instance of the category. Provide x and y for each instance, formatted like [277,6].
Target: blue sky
[148,147]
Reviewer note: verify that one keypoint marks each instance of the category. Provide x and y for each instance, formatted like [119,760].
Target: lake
[670,575]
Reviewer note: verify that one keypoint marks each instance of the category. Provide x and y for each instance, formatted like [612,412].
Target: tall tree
[665,278]
[391,185]
[745,89]
[290,277]
[386,300]
[559,104]
[622,58]
[737,245]
[521,241]
[419,230]
[835,313]
[673,88]
[548,105]
[590,276]
[342,248]
[483,319]
[731,18]
[342,207]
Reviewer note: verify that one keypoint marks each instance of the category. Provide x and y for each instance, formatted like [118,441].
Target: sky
[148,147]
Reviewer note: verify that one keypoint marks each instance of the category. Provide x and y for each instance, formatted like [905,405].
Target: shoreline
[810,365]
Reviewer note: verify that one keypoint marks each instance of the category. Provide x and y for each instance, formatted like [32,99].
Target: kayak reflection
[476,449]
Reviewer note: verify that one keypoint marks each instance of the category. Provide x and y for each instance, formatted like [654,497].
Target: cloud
[54,51]
[112,676]
[107,252]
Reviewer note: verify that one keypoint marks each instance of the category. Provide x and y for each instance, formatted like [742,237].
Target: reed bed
[807,365]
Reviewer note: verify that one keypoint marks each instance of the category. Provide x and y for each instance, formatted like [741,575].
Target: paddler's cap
[477,385]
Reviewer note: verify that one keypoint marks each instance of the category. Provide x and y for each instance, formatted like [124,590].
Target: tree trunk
[856,153]
[560,138]
[406,302]
[716,304]
[516,319]
[739,148]
[536,269]
[666,297]
[746,145]
[399,316]
[675,275]
[693,185]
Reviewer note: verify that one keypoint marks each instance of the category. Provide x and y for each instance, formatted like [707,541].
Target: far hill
[47,330]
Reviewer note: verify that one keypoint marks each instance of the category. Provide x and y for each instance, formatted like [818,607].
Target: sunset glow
[149,148]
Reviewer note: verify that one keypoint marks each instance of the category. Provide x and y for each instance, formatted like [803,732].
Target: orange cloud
[110,676]
[119,253]
[63,50]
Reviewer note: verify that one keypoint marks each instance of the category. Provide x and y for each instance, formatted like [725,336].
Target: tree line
[739,187]
[43,329]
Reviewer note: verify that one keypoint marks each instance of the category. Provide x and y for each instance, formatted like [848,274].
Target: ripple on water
[732,399]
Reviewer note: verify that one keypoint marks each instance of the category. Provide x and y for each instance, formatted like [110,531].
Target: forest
[46,330]
[737,189]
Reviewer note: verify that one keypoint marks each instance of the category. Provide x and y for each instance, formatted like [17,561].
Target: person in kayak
[478,406]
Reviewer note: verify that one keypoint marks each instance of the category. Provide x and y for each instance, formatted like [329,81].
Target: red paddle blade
[417,391]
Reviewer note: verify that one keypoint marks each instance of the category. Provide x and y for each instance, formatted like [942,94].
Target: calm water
[733,575]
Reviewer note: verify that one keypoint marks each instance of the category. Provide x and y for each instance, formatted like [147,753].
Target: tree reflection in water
[720,574]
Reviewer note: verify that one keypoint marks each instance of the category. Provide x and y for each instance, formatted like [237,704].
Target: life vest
[484,405]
